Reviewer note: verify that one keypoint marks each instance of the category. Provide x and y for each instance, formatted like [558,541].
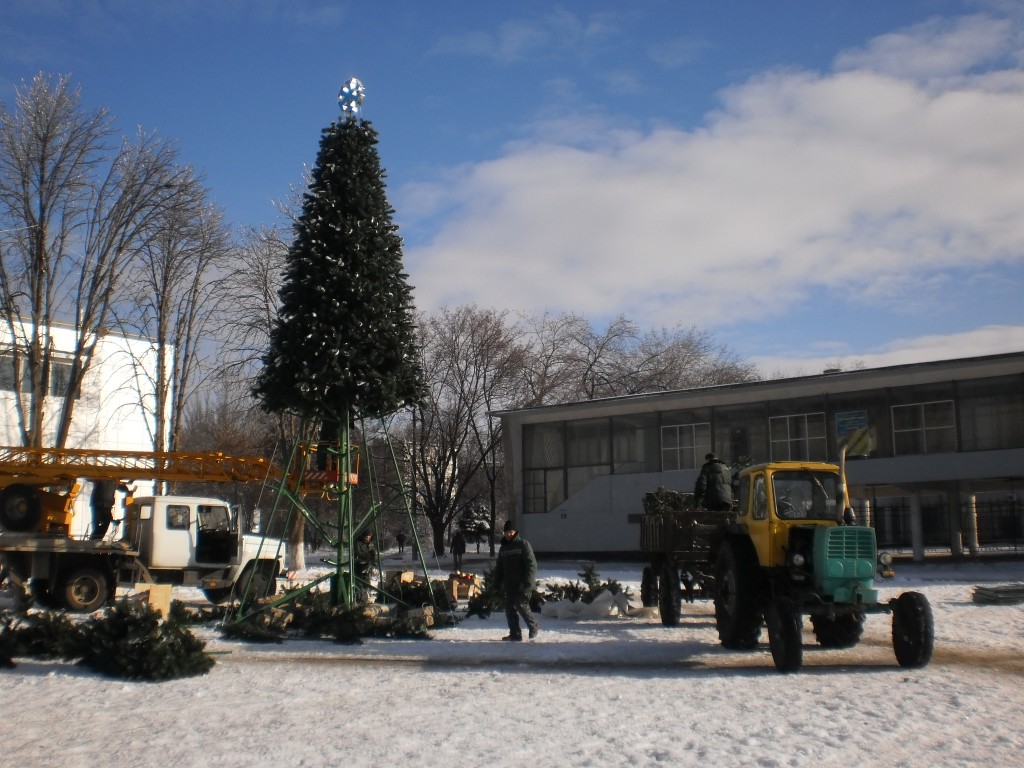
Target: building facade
[115,403]
[935,453]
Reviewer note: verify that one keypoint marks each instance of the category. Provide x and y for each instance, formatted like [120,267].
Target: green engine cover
[844,562]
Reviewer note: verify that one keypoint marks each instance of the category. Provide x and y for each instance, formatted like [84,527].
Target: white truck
[182,540]
[188,540]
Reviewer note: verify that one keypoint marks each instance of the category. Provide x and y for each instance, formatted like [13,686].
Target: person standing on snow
[714,485]
[458,548]
[514,575]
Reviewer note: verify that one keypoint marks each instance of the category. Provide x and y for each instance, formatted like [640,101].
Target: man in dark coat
[102,503]
[514,575]
[714,485]
[458,549]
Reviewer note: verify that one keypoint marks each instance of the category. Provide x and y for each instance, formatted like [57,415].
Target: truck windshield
[803,494]
[214,518]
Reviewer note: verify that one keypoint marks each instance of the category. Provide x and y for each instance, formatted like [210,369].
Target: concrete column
[916,528]
[864,513]
[970,522]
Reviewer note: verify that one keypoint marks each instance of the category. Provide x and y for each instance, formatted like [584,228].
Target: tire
[42,594]
[255,583]
[913,630]
[85,589]
[649,587]
[670,596]
[785,636]
[217,596]
[20,508]
[738,613]
[838,631]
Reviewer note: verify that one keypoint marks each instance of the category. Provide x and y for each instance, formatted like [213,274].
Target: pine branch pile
[129,641]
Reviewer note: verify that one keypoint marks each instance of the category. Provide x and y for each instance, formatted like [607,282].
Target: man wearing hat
[514,575]
[714,485]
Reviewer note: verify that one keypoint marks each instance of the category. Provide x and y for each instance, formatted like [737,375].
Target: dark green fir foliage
[344,339]
[130,641]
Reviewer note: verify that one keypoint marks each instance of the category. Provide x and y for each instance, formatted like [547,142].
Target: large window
[588,451]
[923,428]
[800,437]
[992,414]
[635,444]
[60,374]
[543,467]
[683,446]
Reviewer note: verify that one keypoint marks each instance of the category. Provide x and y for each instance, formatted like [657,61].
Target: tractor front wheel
[913,630]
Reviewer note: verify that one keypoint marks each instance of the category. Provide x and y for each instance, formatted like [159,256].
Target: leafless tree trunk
[73,214]
[177,301]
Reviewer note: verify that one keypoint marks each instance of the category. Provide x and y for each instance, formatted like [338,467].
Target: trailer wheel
[670,596]
[785,635]
[738,613]
[649,587]
[20,508]
[838,631]
[913,630]
[85,589]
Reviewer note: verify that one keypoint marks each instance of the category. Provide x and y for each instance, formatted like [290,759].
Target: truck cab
[201,541]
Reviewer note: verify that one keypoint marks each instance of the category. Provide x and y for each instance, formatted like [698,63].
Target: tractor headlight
[884,558]
[798,560]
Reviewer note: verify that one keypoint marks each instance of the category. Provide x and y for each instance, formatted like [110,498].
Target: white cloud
[887,179]
[989,340]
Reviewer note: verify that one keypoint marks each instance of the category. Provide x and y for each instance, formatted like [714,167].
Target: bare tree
[74,211]
[570,360]
[177,301]
[474,362]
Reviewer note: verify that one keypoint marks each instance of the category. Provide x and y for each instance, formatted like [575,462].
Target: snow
[606,691]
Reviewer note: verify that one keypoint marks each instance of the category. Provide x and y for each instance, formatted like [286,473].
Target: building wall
[952,430]
[114,410]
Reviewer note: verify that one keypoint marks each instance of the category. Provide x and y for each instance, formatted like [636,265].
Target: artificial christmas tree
[343,346]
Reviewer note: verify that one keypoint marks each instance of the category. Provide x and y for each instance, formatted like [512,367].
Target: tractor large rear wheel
[738,612]
[838,631]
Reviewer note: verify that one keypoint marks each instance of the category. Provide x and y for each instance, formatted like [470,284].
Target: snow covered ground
[610,691]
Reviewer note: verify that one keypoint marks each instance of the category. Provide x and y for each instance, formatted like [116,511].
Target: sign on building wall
[854,432]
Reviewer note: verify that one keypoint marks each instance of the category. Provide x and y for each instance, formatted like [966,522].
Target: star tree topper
[350,97]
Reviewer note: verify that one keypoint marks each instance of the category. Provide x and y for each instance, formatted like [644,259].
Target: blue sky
[816,183]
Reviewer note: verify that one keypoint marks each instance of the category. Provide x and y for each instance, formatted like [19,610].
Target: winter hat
[508,526]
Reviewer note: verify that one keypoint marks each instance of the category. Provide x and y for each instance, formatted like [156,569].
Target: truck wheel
[670,596]
[649,587]
[737,597]
[85,589]
[20,508]
[838,631]
[42,594]
[785,635]
[217,596]
[913,630]
[255,583]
